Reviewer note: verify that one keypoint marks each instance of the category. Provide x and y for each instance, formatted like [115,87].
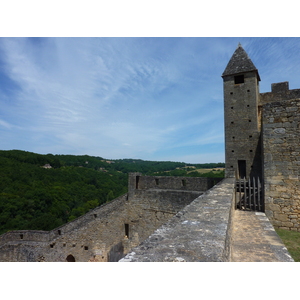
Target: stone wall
[200,232]
[155,199]
[279,91]
[87,238]
[281,142]
[139,182]
[108,232]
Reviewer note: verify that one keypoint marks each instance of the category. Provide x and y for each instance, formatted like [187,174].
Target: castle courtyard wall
[108,232]
[281,143]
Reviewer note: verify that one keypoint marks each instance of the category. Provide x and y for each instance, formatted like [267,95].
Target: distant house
[47,166]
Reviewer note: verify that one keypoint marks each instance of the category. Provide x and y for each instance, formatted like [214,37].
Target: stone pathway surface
[255,240]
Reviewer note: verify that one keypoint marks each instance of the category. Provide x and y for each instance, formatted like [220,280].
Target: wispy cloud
[148,98]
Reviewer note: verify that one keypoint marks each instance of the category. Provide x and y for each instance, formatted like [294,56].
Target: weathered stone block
[274,207]
[279,130]
[280,217]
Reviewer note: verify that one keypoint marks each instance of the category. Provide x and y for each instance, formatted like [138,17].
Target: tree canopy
[42,192]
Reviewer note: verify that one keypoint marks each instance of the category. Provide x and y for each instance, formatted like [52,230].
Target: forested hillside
[45,191]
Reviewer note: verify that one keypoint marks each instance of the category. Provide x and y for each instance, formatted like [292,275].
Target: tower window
[231,107]
[183,182]
[248,91]
[239,79]
[249,120]
[231,93]
[156,181]
[232,150]
[232,122]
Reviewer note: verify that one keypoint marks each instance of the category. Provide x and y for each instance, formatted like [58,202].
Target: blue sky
[147,98]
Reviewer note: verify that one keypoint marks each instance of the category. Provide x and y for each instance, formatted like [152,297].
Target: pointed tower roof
[239,63]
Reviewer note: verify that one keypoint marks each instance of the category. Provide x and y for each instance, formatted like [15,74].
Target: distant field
[214,170]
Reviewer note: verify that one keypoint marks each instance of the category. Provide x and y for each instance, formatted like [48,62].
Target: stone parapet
[199,232]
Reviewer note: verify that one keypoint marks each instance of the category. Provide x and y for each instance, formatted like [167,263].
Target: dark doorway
[242,168]
[137,178]
[70,258]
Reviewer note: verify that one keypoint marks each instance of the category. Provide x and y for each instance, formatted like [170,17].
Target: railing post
[240,192]
[258,193]
[245,193]
[254,193]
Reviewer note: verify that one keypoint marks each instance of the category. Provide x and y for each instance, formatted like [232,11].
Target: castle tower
[242,120]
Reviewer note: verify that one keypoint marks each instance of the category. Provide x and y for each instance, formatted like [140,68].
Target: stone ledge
[198,233]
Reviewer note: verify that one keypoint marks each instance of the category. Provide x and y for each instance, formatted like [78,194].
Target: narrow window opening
[137,179]
[249,121]
[21,236]
[95,216]
[239,79]
[248,91]
[232,150]
[232,122]
[86,248]
[64,245]
[251,150]
[156,181]
[233,137]
[248,105]
[127,230]
[242,168]
[250,136]
[51,245]
[183,182]
[231,93]
[231,166]
[231,107]
[59,232]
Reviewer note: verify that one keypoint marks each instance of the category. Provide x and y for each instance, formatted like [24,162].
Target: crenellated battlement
[279,91]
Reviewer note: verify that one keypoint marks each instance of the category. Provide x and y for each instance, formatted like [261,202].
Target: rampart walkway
[255,240]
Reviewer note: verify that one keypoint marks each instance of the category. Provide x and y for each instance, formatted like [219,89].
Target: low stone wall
[200,232]
[90,237]
[137,181]
[281,141]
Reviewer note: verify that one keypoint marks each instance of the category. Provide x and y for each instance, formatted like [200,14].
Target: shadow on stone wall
[116,252]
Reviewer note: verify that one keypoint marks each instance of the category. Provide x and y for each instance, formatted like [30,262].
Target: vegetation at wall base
[42,192]
[291,240]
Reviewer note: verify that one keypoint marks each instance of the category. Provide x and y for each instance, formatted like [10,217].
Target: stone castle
[262,138]
[184,218]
